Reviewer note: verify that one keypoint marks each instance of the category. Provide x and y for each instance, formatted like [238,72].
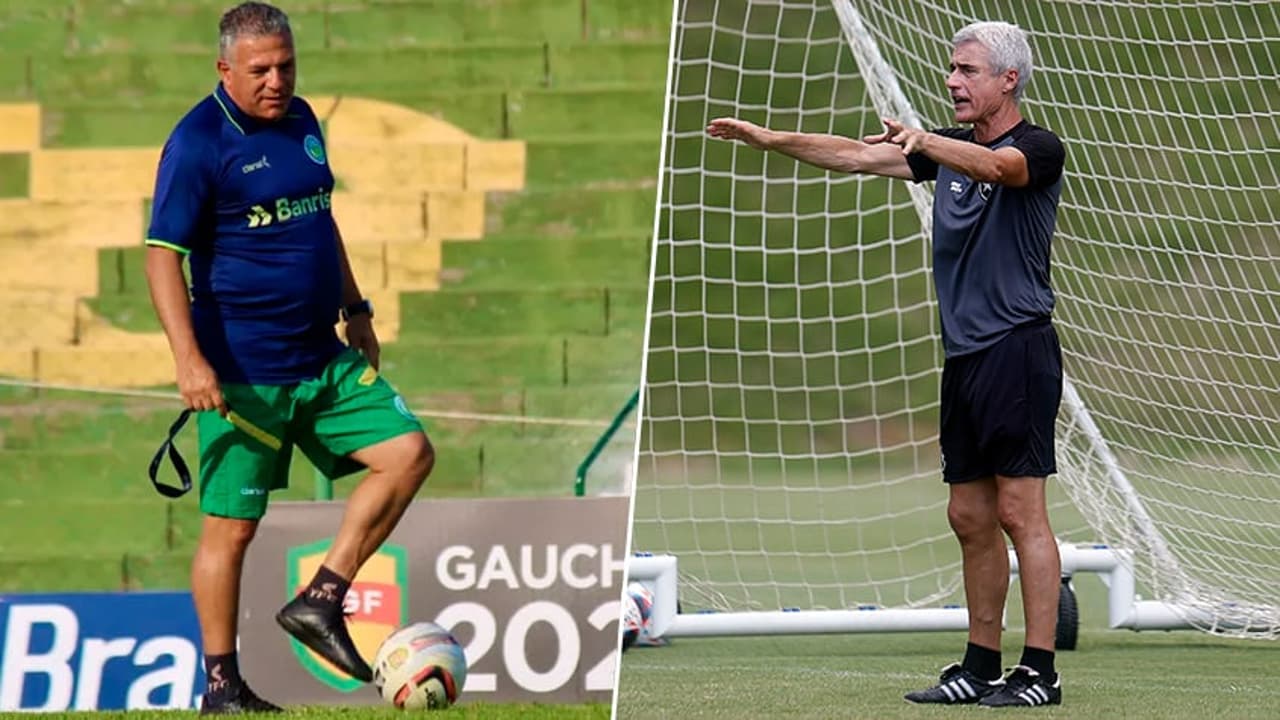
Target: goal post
[788,458]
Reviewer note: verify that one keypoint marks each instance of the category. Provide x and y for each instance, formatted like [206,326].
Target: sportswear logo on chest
[956,187]
[256,165]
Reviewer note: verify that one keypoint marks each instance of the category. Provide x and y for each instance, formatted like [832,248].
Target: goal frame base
[1126,609]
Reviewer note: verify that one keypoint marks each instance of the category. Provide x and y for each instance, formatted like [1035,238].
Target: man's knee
[228,533]
[1020,516]
[422,457]
[409,456]
[971,520]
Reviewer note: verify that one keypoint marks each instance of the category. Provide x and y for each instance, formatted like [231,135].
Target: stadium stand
[518,288]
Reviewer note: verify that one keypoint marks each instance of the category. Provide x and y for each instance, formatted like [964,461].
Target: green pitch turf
[464,711]
[1115,674]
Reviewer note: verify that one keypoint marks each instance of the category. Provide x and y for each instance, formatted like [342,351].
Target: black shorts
[999,406]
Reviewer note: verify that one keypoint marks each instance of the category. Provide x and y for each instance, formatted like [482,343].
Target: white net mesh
[789,447]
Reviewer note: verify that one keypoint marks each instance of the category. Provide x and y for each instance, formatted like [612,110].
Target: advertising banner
[108,651]
[530,587]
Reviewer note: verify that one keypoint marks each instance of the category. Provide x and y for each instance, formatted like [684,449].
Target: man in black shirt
[994,208]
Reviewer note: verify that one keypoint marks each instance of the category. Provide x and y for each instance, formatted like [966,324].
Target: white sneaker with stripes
[1024,687]
[956,686]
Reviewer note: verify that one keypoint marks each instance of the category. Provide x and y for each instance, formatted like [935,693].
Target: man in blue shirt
[243,193]
[994,209]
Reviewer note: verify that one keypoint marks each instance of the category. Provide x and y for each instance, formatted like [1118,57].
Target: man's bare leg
[397,468]
[215,590]
[215,579]
[972,512]
[1024,515]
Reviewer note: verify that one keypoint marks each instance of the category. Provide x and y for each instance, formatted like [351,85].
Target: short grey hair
[1007,46]
[255,19]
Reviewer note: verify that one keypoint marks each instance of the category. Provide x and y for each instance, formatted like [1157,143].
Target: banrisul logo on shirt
[285,209]
[315,150]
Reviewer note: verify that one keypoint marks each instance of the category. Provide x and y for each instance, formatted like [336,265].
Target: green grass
[595,161]
[14,168]
[623,207]
[476,711]
[641,62]
[631,109]
[1114,674]
[154,26]
[462,314]
[511,262]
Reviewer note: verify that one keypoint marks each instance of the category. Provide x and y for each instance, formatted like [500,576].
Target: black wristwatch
[364,307]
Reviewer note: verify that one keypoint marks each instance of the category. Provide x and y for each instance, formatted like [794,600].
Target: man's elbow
[1003,171]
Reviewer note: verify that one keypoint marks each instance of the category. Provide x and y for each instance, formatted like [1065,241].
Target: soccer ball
[631,621]
[644,602]
[420,666]
[643,598]
[637,611]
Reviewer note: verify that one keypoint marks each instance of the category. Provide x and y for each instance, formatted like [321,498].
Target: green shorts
[246,455]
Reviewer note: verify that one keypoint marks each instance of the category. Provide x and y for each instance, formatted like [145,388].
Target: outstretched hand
[734,129]
[908,138]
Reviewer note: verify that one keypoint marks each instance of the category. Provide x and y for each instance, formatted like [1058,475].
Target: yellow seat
[94,174]
[375,217]
[80,223]
[19,127]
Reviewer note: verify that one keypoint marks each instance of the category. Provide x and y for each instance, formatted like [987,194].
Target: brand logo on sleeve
[314,148]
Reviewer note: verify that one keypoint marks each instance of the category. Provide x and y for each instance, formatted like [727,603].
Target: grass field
[789,449]
[1114,674]
[475,711]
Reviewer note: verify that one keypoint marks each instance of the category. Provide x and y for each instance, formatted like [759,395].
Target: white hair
[255,19]
[1007,46]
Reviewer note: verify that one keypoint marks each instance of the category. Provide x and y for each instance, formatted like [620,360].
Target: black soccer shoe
[1024,687]
[956,686]
[325,633]
[244,701]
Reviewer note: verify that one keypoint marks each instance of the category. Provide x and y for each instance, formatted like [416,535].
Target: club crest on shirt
[315,150]
[984,190]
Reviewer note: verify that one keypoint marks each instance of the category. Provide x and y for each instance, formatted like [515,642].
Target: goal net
[788,452]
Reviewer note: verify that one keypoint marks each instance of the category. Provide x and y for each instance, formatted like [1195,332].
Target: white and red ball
[637,614]
[420,666]
[631,621]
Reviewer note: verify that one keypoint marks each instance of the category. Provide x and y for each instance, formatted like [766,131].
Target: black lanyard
[175,457]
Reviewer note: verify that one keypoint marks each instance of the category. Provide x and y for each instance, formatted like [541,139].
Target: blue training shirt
[248,203]
[991,242]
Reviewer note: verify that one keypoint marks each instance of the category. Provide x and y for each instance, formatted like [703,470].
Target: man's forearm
[169,297]
[830,152]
